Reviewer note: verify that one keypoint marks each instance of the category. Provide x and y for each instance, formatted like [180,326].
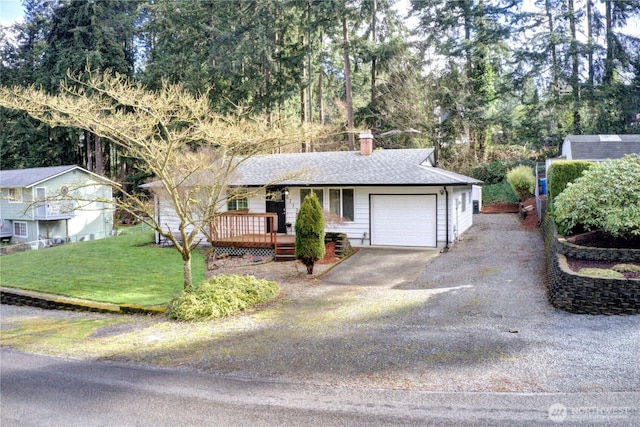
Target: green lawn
[127,269]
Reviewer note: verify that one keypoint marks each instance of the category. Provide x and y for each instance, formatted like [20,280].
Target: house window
[20,229]
[464,202]
[237,201]
[319,192]
[15,195]
[341,202]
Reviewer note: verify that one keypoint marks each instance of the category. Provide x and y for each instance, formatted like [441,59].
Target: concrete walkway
[381,267]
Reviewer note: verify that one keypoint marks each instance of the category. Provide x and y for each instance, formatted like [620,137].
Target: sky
[10,11]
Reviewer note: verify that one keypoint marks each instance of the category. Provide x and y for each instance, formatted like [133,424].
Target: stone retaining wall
[53,302]
[577,293]
[571,250]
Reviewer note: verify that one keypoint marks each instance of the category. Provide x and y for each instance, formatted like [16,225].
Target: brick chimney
[366,142]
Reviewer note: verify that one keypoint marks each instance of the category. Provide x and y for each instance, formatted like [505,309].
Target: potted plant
[288,225]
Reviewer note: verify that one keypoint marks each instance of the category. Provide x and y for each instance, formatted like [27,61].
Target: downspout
[446,247]
[158,220]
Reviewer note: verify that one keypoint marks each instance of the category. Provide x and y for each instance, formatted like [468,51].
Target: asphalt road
[471,340]
[46,391]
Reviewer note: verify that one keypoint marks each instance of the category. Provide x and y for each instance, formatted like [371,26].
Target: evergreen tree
[310,232]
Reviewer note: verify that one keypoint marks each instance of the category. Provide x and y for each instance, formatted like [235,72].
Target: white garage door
[403,220]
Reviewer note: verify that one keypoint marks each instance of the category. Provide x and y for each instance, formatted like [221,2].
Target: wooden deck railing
[245,229]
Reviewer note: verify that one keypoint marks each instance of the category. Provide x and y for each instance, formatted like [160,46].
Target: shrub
[606,197]
[522,180]
[601,272]
[560,174]
[490,173]
[498,193]
[310,232]
[221,296]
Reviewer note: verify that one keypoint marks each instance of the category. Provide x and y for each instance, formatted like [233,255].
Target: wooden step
[285,252]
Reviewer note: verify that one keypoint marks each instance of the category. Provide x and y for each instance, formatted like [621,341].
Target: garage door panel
[403,220]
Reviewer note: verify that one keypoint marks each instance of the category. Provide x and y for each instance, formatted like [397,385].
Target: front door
[275,204]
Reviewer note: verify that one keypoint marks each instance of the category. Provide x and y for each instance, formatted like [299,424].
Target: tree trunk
[347,83]
[87,140]
[320,95]
[467,37]
[554,56]
[590,42]
[466,8]
[573,50]
[186,266]
[608,62]
[373,59]
[99,163]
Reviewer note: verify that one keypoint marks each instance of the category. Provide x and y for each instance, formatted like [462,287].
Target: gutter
[446,247]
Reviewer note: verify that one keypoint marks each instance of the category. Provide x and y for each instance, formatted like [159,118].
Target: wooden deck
[255,240]
[242,230]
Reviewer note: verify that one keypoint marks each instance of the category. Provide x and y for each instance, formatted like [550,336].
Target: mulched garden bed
[501,208]
[530,222]
[600,239]
[577,264]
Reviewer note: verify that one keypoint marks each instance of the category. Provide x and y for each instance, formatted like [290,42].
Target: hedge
[562,173]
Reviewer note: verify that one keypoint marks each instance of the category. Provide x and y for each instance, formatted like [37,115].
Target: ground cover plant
[610,268]
[601,272]
[127,269]
[221,296]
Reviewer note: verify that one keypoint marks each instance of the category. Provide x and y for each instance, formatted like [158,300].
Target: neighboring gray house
[381,197]
[593,148]
[54,204]
[596,148]
[599,147]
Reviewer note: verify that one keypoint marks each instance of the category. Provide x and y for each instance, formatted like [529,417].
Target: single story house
[592,148]
[375,197]
[598,148]
[55,204]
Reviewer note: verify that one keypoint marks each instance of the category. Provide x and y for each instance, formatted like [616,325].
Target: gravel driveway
[475,319]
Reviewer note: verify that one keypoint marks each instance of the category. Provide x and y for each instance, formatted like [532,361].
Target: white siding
[462,210]
[169,221]
[359,230]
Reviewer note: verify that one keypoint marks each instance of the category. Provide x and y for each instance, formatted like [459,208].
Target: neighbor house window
[15,195]
[19,228]
[341,202]
[319,192]
[464,202]
[238,201]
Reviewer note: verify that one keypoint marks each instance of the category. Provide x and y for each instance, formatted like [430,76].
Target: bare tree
[191,152]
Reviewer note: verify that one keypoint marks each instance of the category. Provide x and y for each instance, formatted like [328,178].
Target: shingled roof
[26,178]
[599,147]
[348,168]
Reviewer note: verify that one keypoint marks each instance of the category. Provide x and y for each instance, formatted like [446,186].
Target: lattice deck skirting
[262,252]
